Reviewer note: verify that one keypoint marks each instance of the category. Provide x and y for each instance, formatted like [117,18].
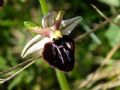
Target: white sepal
[68,25]
[34,45]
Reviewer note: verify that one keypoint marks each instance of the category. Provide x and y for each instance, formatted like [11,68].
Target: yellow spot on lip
[57,34]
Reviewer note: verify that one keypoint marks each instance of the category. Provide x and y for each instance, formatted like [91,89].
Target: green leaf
[115,3]
[113,34]
[28,76]
[3,63]
[17,80]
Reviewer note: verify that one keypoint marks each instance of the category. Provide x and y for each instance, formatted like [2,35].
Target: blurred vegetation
[89,55]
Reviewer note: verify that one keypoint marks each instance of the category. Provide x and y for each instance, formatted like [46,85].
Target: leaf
[17,80]
[115,3]
[29,76]
[24,78]
[3,64]
[113,34]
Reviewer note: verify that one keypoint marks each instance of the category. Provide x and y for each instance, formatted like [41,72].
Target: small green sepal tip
[29,25]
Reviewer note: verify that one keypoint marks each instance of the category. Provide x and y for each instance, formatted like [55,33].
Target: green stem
[60,75]
[62,80]
[44,6]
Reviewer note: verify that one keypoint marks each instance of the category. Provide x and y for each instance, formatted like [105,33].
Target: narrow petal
[59,18]
[34,45]
[49,19]
[68,25]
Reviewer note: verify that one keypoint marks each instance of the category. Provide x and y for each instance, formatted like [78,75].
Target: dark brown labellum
[1,3]
[60,53]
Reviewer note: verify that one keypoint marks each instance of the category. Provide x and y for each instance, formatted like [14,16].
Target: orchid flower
[54,41]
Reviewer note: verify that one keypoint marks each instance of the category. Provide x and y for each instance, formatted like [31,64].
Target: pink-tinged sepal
[49,19]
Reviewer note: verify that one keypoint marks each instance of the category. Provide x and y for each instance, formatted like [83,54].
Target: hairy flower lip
[38,42]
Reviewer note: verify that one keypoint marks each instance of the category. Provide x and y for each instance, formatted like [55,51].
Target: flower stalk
[60,75]
[44,6]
